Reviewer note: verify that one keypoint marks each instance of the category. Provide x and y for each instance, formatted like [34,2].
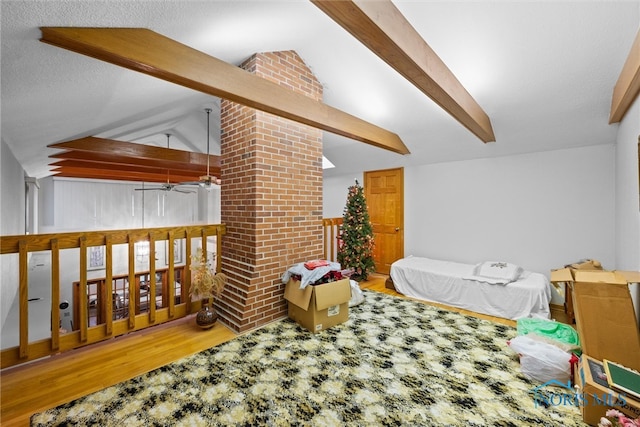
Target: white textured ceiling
[543,71]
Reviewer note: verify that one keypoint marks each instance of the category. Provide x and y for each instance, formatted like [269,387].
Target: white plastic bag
[541,361]
[356,294]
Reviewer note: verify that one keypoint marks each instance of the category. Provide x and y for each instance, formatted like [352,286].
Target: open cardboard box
[605,317]
[562,277]
[318,307]
[596,396]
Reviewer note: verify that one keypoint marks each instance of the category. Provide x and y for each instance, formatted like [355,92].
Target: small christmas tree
[356,248]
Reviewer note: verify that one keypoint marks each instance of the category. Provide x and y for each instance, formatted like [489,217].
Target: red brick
[271,197]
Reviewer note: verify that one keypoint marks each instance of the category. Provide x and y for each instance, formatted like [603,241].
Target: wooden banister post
[23,293]
[55,294]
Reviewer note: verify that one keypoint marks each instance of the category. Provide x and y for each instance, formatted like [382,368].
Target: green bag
[549,329]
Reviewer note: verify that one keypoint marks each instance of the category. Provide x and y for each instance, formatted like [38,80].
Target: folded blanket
[309,276]
[496,273]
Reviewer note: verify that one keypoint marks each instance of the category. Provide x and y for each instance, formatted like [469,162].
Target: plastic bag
[541,361]
[550,329]
[561,345]
[356,294]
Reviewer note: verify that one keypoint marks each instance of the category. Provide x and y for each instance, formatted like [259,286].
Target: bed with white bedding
[494,288]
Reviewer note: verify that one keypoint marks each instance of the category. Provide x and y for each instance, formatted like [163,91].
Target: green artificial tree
[356,247]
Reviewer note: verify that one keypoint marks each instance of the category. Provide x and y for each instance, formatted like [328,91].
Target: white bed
[451,283]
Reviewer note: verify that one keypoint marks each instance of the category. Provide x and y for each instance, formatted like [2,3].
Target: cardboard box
[319,307]
[596,397]
[561,278]
[605,317]
[587,264]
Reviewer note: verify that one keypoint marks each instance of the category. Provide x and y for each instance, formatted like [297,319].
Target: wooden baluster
[203,240]
[151,292]
[84,310]
[325,224]
[338,235]
[332,240]
[132,284]
[203,244]
[218,249]
[170,277]
[23,299]
[187,271]
[108,285]
[55,295]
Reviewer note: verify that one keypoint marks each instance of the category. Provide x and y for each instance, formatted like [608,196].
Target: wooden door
[384,191]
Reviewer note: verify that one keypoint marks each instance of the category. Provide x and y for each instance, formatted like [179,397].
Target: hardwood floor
[50,382]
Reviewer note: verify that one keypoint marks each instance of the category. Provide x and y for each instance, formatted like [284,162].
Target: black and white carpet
[394,362]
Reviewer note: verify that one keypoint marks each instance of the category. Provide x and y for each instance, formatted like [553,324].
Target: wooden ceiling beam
[103,161]
[173,176]
[381,27]
[627,87]
[140,151]
[116,175]
[151,53]
[119,161]
[99,158]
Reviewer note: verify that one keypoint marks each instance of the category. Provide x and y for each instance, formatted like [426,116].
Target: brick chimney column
[271,198]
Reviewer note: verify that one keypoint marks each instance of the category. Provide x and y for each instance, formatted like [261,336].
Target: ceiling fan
[207,181]
[167,186]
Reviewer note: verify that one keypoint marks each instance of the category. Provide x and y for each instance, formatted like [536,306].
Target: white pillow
[497,272]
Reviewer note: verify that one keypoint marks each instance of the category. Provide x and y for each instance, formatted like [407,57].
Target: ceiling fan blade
[190,183]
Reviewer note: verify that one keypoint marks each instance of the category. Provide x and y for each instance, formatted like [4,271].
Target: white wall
[335,192]
[540,211]
[12,221]
[627,203]
[80,205]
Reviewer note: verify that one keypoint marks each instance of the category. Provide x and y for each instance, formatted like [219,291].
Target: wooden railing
[25,245]
[331,233]
[121,301]
[85,332]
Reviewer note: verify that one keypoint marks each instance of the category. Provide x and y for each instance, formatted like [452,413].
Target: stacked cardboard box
[595,395]
[605,318]
[318,307]
[608,328]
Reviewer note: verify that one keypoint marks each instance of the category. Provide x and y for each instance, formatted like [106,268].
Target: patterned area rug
[394,362]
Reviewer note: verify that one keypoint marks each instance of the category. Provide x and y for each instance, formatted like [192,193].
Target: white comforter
[444,282]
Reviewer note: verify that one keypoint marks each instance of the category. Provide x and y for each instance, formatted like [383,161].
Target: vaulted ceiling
[543,72]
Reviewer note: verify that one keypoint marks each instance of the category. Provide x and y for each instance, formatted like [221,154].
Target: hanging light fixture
[207,181]
[142,247]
